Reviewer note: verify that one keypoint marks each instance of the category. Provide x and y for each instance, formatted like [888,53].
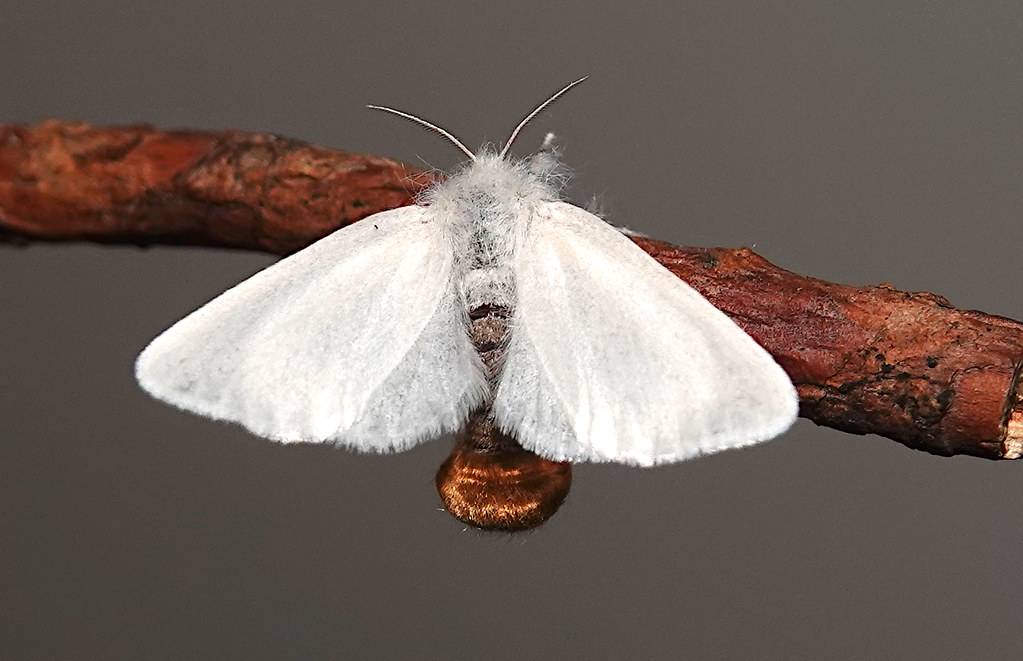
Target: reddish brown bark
[905,365]
[72,181]
[908,366]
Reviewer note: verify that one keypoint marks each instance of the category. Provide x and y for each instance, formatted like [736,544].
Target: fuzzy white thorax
[487,206]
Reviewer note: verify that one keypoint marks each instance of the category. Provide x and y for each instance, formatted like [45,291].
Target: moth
[361,338]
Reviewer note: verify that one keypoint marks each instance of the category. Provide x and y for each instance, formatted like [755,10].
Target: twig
[908,366]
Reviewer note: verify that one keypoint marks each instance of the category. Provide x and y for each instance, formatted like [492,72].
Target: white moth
[361,338]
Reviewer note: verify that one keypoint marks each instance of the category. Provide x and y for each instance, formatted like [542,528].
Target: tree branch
[908,366]
[63,181]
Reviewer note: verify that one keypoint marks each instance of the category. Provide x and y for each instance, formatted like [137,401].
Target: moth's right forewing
[357,339]
[613,358]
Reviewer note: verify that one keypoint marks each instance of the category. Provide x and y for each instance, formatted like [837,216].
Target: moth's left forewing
[359,339]
[613,358]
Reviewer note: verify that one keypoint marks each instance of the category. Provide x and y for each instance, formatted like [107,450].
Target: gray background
[858,142]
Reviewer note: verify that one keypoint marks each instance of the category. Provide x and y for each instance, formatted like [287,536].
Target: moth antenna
[536,111]
[423,122]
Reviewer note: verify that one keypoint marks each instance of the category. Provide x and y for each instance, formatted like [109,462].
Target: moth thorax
[491,286]
[485,251]
[487,222]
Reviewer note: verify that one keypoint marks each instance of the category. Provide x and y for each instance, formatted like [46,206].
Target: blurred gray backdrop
[858,142]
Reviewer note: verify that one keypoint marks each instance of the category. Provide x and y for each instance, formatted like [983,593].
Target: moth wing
[358,339]
[613,358]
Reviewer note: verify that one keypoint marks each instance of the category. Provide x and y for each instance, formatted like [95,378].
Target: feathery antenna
[423,122]
[536,111]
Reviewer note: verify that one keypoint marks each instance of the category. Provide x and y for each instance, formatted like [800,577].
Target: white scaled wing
[613,358]
[357,339]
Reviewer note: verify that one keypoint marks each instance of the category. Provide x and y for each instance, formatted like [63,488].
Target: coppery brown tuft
[501,486]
